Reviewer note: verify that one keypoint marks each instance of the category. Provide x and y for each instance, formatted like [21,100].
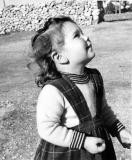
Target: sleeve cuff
[77,140]
[116,128]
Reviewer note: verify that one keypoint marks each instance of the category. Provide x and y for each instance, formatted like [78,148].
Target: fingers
[127,141]
[94,145]
[101,145]
[127,145]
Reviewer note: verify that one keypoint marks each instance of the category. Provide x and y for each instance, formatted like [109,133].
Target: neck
[72,69]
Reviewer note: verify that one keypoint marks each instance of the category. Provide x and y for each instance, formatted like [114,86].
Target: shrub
[110,8]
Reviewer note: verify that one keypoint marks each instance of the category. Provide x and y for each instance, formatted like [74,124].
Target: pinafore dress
[88,125]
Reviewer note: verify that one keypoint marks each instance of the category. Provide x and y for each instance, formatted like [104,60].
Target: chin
[87,61]
[91,55]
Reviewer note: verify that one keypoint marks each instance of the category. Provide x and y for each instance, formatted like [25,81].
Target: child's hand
[94,145]
[125,139]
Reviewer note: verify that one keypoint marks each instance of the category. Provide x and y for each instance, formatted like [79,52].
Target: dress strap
[97,81]
[74,96]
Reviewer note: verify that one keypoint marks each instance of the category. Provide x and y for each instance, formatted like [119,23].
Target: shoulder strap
[98,85]
[74,96]
[96,78]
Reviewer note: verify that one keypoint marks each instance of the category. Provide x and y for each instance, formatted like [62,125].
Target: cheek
[75,48]
[78,46]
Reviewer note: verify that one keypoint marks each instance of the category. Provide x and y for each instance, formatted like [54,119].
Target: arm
[115,127]
[110,120]
[50,108]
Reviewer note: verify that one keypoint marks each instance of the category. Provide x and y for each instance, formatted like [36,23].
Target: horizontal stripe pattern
[117,127]
[120,126]
[79,79]
[77,140]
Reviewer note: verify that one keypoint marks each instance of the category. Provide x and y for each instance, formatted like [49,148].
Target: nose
[86,38]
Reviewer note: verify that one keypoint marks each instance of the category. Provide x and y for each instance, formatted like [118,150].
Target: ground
[18,93]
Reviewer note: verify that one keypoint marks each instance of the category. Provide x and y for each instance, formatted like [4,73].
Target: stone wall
[29,17]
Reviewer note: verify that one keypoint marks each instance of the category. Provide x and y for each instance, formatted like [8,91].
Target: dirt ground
[18,93]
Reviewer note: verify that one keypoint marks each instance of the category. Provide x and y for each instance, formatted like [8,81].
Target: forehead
[70,28]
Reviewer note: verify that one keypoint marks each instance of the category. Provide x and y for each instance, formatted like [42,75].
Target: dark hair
[42,47]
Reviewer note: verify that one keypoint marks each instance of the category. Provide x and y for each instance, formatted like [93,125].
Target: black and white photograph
[65,79]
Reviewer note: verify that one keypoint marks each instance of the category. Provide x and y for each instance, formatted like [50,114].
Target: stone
[29,17]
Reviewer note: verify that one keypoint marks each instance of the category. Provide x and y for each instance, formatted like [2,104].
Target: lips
[88,46]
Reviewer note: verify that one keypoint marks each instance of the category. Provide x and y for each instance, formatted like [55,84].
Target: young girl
[73,118]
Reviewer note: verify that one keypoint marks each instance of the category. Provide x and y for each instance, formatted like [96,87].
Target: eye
[77,35]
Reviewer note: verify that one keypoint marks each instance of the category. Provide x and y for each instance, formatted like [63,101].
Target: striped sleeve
[117,127]
[120,126]
[77,140]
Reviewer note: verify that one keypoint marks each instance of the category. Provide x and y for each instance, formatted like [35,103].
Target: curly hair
[43,44]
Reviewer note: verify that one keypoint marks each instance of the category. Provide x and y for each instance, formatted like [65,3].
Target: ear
[59,58]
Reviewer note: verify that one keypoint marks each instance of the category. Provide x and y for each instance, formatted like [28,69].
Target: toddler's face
[77,47]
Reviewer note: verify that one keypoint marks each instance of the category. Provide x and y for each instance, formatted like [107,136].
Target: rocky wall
[30,17]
